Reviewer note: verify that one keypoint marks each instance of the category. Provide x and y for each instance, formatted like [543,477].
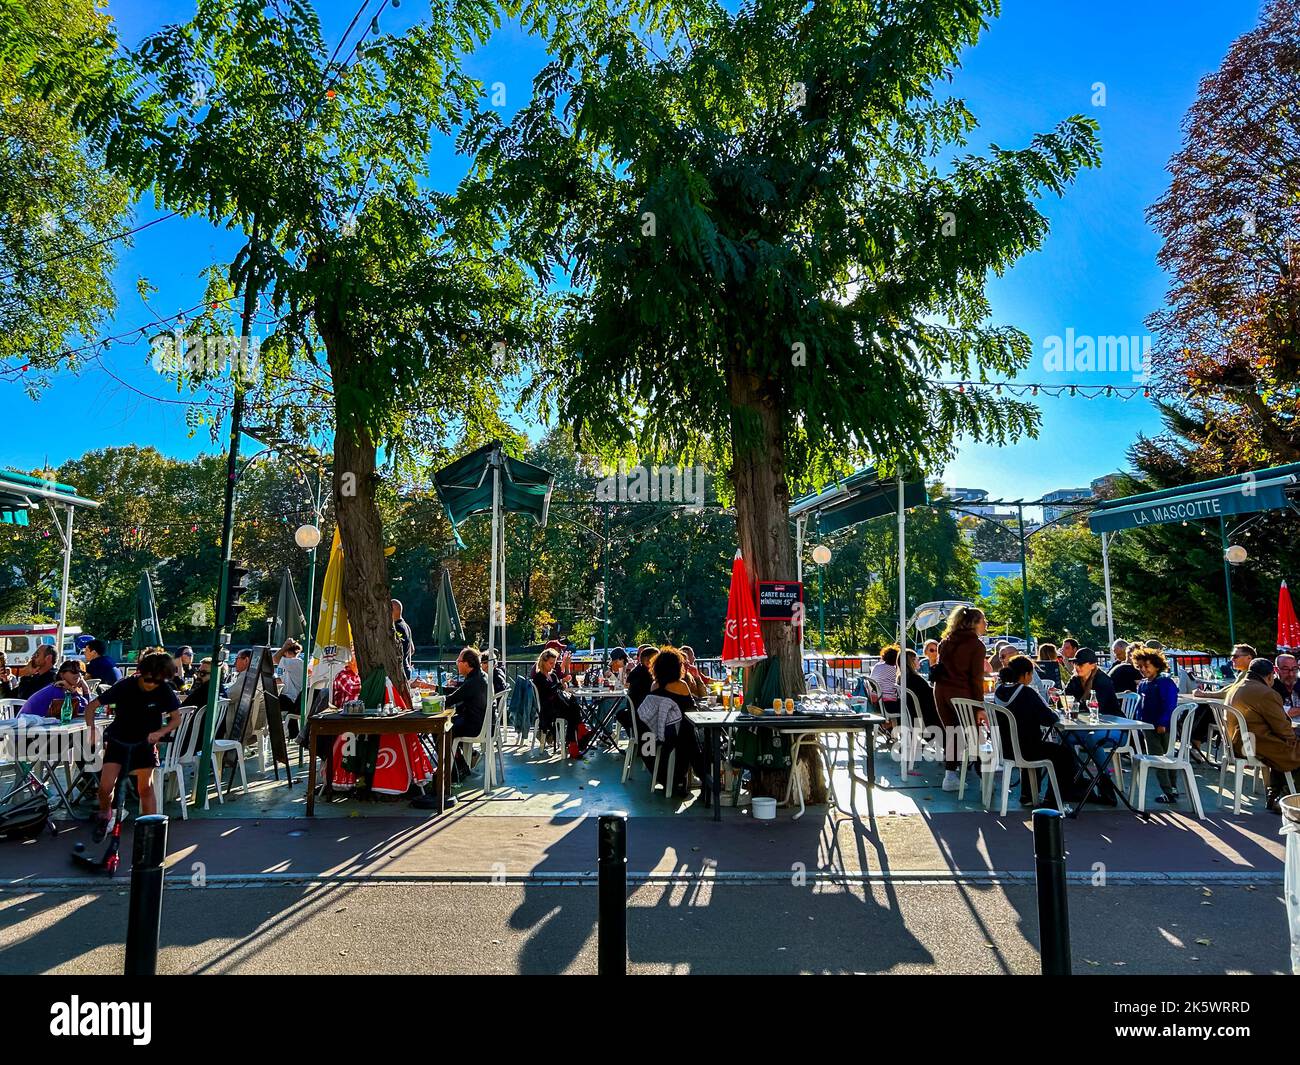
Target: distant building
[988,572]
[1062,495]
[975,501]
[1104,487]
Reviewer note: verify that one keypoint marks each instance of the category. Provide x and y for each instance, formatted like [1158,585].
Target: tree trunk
[766,544]
[366,590]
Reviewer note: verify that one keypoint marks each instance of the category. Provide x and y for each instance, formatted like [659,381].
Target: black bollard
[1053,911]
[144,916]
[611,917]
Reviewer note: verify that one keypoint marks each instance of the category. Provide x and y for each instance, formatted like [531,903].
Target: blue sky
[1039,63]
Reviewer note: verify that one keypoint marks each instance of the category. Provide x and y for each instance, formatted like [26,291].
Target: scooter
[103,857]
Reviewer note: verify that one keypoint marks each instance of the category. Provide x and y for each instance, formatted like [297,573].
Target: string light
[1075,390]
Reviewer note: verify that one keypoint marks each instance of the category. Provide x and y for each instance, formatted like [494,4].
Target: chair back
[967,711]
[1128,704]
[996,713]
[1181,722]
[9,707]
[183,748]
[1222,712]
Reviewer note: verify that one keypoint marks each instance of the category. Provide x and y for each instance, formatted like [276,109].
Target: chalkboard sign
[777,599]
[261,671]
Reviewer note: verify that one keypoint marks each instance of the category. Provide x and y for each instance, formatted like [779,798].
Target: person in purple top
[48,702]
[1158,695]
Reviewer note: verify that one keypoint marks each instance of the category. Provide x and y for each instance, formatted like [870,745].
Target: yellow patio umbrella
[333,633]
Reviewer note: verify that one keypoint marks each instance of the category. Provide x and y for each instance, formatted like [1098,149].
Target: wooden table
[337,723]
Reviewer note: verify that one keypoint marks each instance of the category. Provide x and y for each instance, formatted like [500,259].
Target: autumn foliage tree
[1227,353]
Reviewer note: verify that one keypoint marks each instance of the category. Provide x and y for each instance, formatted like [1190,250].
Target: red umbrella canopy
[742,642]
[1288,627]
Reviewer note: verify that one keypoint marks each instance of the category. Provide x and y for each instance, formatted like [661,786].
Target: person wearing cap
[1090,679]
[1276,744]
[1123,674]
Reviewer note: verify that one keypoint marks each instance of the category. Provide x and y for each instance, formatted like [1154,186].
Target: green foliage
[763,196]
[58,208]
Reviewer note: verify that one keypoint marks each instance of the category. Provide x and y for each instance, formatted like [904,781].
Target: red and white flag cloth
[1288,627]
[742,641]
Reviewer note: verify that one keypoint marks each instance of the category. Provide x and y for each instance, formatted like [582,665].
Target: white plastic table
[54,745]
[1103,723]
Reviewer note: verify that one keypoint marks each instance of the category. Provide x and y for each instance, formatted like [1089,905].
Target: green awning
[20,493]
[465,487]
[858,498]
[1222,497]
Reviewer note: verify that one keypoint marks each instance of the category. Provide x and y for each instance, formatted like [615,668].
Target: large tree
[1227,354]
[772,240]
[390,298]
[59,210]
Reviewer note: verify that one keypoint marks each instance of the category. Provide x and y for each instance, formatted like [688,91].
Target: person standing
[405,638]
[960,676]
[1158,698]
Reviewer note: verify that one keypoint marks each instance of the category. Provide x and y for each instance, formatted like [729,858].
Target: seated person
[885,674]
[931,652]
[245,681]
[198,693]
[130,741]
[1047,666]
[37,674]
[101,668]
[470,701]
[617,676]
[1031,714]
[639,682]
[48,702]
[917,684]
[556,702]
[691,675]
[1276,744]
[494,672]
[1090,679]
[1124,674]
[1157,698]
[663,712]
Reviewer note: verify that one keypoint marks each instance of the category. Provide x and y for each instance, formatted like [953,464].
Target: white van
[19,642]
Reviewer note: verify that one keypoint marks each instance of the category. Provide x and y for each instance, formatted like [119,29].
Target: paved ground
[897,927]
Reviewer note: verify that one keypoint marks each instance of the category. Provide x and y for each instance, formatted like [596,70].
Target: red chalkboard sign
[777,599]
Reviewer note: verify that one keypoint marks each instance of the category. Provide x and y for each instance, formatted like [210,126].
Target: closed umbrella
[333,633]
[147,631]
[1288,627]
[742,642]
[447,631]
[289,622]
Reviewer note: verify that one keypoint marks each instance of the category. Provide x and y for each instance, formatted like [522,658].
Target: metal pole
[798,554]
[492,561]
[821,612]
[611,916]
[144,908]
[63,595]
[1105,569]
[902,598]
[1024,575]
[220,637]
[604,583]
[1227,579]
[1053,910]
[305,696]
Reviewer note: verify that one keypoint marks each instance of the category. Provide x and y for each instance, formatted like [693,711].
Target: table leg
[444,769]
[311,769]
[715,755]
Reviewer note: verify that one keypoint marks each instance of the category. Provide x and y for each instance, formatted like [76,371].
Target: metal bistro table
[56,746]
[337,723]
[712,722]
[1104,723]
[599,709]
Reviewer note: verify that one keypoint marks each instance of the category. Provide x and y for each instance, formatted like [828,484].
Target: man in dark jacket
[470,700]
[37,674]
[1123,674]
[1090,679]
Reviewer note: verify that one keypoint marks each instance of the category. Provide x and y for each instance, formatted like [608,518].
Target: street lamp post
[821,554]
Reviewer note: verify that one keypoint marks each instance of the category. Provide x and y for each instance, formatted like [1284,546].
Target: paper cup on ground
[763,808]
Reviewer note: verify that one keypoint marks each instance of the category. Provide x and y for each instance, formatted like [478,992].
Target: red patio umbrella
[1288,627]
[742,642]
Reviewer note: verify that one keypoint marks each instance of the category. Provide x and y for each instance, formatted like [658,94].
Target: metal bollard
[611,917]
[144,916]
[1053,911]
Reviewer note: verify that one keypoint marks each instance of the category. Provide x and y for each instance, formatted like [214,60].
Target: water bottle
[1092,707]
[65,713]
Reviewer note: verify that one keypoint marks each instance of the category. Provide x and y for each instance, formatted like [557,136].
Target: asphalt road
[700,927]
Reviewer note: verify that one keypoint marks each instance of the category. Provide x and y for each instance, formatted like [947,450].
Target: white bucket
[763,808]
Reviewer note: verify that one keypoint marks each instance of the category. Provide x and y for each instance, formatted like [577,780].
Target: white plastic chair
[1018,760]
[181,753]
[561,726]
[970,732]
[220,748]
[912,723]
[630,745]
[672,765]
[1238,763]
[1179,761]
[484,740]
